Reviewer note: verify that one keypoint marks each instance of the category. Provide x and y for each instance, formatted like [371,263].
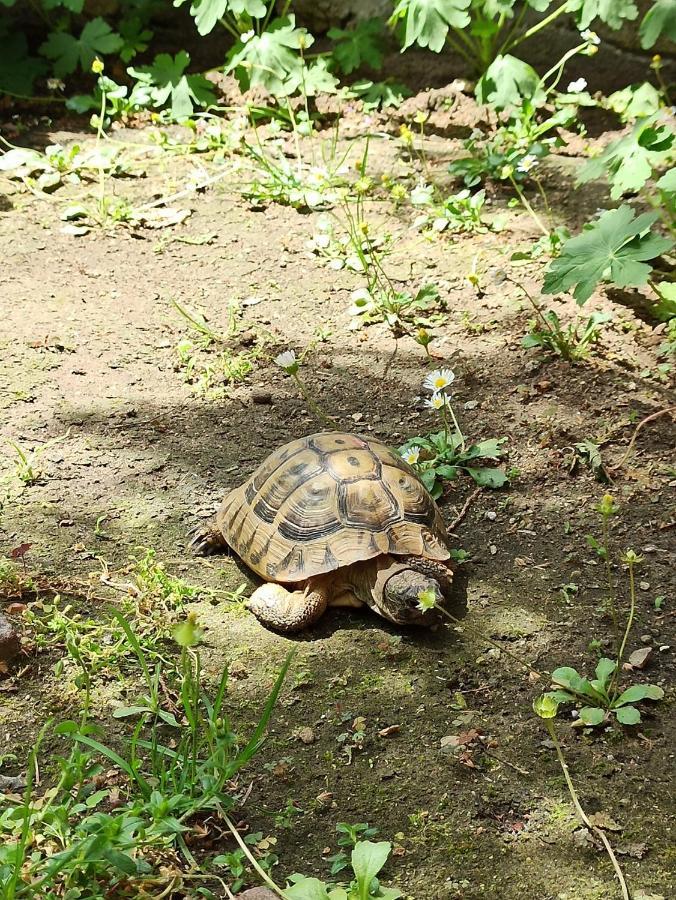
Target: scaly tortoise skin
[343,521]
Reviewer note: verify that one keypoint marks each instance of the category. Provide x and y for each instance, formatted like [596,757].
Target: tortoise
[334,519]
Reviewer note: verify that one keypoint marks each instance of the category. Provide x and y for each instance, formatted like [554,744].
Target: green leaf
[570,679]
[629,161]
[96,39]
[121,861]
[18,70]
[271,60]
[306,889]
[450,473]
[613,248]
[667,182]
[560,696]
[491,478]
[122,712]
[628,715]
[368,858]
[639,692]
[592,715]
[317,79]
[427,21]
[660,19]
[612,12]
[590,453]
[379,94]
[490,449]
[507,82]
[665,308]
[635,101]
[604,669]
[361,44]
[169,84]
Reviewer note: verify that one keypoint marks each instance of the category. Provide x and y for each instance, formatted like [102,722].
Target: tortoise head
[400,599]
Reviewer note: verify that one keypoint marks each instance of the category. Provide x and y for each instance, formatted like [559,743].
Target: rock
[257,893]
[10,644]
[261,396]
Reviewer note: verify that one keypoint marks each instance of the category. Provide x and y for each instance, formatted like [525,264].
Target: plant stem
[457,428]
[627,630]
[528,207]
[252,859]
[538,27]
[102,176]
[311,403]
[488,640]
[609,577]
[581,813]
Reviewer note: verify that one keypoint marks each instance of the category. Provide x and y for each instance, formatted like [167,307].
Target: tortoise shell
[327,501]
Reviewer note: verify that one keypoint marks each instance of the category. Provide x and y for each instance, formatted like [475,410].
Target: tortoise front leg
[207,539]
[289,611]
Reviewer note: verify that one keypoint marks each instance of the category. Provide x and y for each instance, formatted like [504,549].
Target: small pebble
[490,515]
[261,396]
[644,585]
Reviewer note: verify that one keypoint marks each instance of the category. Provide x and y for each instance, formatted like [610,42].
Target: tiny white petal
[577,86]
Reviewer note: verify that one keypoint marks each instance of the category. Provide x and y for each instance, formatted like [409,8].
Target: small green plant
[173,768]
[458,213]
[599,695]
[602,696]
[482,31]
[442,456]
[27,462]
[348,837]
[572,342]
[367,859]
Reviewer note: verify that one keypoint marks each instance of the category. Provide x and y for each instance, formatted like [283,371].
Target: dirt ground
[88,341]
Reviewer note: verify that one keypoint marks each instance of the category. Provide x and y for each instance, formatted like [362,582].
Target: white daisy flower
[411,455]
[287,361]
[438,380]
[577,86]
[527,163]
[438,401]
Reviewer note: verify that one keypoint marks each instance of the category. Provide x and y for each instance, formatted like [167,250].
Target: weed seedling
[442,456]
[367,859]
[602,697]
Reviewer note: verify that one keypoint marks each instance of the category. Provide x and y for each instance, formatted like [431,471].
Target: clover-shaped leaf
[96,39]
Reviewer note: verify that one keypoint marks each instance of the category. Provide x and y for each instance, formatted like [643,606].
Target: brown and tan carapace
[343,521]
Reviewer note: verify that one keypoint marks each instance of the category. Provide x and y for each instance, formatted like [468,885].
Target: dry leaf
[606,822]
[391,729]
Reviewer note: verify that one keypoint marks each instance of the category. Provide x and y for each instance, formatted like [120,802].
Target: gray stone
[9,640]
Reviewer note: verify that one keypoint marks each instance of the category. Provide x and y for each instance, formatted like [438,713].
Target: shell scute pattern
[327,501]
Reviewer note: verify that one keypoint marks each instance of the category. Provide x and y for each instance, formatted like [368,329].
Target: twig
[162,201]
[505,762]
[650,418]
[252,859]
[463,512]
[581,813]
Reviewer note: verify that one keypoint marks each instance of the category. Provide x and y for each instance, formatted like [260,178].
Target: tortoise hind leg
[288,611]
[207,539]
